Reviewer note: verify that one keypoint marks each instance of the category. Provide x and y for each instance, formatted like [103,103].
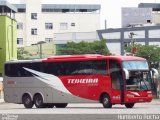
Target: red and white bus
[59,80]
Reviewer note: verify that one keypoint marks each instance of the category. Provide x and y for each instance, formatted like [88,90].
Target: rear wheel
[61,105]
[129,105]
[106,102]
[38,101]
[27,101]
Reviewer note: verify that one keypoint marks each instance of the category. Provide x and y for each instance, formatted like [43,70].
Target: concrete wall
[8,40]
[48,49]
[136,16]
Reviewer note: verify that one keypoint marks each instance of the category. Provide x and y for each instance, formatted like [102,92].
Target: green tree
[21,54]
[97,47]
[149,52]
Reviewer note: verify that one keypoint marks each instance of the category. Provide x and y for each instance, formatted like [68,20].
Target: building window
[20,41]
[34,16]
[82,10]
[63,26]
[148,21]
[20,25]
[34,31]
[73,24]
[21,10]
[48,39]
[65,10]
[48,26]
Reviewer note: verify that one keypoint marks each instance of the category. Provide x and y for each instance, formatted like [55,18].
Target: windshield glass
[139,80]
[135,65]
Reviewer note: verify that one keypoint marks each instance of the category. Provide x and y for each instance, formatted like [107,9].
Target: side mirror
[154,73]
[126,73]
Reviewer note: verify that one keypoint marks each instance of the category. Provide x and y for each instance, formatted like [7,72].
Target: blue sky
[111,9]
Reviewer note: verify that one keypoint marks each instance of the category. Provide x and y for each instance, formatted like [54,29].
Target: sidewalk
[1,100]
[1,96]
[156,101]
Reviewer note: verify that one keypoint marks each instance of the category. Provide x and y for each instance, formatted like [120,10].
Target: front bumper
[138,99]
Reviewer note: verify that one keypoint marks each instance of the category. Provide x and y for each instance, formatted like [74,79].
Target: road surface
[149,111]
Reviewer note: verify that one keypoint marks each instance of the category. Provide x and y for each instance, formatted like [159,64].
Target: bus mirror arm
[154,73]
[126,73]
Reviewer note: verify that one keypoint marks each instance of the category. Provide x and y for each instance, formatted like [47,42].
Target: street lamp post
[40,48]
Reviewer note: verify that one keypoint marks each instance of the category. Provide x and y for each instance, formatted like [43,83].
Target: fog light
[150,95]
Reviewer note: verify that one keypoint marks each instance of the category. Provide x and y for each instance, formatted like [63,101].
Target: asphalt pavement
[141,111]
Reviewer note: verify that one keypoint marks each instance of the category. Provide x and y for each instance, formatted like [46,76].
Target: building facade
[132,17]
[8,34]
[144,14]
[142,23]
[38,22]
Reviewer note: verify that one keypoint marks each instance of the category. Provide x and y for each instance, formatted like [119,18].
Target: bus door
[117,85]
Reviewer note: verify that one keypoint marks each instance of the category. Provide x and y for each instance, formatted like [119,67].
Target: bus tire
[61,105]
[38,101]
[106,102]
[27,101]
[129,105]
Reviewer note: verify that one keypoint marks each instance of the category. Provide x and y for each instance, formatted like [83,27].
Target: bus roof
[78,57]
[122,58]
[90,57]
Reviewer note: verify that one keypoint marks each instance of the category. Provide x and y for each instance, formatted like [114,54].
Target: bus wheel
[38,101]
[61,105]
[129,105]
[106,101]
[27,101]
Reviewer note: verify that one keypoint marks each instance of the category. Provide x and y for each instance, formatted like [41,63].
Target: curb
[1,100]
[156,101]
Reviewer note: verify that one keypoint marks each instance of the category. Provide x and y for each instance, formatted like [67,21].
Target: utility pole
[105,23]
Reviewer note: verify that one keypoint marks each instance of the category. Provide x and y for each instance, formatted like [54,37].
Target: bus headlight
[130,95]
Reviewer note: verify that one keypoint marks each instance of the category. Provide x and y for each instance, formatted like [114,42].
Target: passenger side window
[115,74]
[89,68]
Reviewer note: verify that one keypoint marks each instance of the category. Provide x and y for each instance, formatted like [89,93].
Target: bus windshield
[139,80]
[135,65]
[139,75]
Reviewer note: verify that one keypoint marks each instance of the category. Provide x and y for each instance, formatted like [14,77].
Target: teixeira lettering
[83,81]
